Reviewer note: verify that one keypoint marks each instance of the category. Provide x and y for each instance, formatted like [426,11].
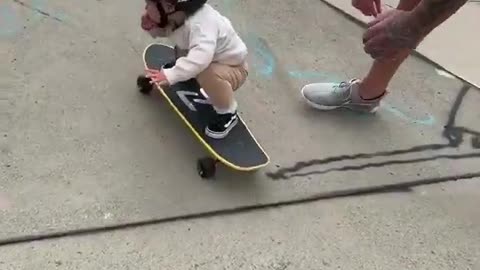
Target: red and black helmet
[187,6]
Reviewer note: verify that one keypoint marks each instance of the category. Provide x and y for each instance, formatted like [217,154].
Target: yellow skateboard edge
[205,144]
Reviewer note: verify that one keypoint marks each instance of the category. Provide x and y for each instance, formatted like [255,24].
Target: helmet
[187,6]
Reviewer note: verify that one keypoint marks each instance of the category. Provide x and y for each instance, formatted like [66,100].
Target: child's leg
[219,82]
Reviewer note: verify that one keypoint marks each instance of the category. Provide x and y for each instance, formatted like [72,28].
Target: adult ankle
[372,96]
[369,94]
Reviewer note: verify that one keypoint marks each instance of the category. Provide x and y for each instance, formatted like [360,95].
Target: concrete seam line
[398,187]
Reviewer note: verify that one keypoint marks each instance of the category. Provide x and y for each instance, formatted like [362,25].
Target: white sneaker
[329,96]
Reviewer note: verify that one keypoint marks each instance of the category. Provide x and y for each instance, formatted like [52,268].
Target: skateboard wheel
[144,85]
[206,167]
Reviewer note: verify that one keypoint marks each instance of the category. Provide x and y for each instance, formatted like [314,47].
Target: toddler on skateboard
[208,49]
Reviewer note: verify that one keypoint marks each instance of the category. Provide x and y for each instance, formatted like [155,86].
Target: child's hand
[157,76]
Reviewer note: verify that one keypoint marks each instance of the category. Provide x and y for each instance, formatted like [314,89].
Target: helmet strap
[163,15]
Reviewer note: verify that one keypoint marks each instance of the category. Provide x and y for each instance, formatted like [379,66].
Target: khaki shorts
[216,75]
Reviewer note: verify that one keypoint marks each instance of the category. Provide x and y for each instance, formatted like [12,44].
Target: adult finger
[372,8]
[379,18]
[366,8]
[360,5]
[371,32]
[366,11]
[375,45]
[378,6]
[374,21]
[380,48]
[357,5]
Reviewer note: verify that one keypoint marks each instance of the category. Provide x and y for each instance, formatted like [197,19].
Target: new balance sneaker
[221,125]
[329,96]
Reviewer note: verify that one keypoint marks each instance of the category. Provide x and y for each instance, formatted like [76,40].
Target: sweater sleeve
[202,44]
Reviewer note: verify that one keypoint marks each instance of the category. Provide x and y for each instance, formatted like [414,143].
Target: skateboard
[239,150]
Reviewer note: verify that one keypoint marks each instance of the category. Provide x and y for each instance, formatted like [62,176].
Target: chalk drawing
[265,64]
[318,76]
[428,121]
[9,21]
[263,61]
[228,5]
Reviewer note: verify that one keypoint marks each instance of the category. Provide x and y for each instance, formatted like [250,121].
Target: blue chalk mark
[228,6]
[264,61]
[429,121]
[265,64]
[307,75]
[9,22]
[38,4]
[41,5]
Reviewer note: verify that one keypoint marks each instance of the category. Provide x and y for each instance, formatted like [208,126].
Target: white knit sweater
[209,37]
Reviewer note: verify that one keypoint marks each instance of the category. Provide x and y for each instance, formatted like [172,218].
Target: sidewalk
[429,229]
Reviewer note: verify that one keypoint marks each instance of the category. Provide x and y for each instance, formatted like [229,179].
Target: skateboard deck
[239,150]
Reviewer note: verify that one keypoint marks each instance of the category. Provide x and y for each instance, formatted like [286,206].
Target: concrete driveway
[107,176]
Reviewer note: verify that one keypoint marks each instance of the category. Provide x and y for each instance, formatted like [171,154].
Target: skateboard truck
[206,167]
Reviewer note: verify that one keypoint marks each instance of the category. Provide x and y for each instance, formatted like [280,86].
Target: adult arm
[431,13]
[395,30]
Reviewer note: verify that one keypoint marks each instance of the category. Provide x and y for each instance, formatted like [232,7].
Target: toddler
[208,49]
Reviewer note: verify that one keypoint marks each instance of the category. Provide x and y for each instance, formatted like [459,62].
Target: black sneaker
[221,125]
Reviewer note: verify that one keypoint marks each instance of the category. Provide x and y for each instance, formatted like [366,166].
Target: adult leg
[382,71]
[361,95]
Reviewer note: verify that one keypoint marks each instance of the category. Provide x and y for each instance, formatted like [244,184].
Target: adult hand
[390,33]
[368,7]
